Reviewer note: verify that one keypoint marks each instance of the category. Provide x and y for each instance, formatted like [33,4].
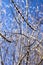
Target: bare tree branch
[19,63]
[22,15]
[40,63]
[27,36]
[5,38]
[2,63]
[27,57]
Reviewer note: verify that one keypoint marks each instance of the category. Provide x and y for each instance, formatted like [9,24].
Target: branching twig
[27,36]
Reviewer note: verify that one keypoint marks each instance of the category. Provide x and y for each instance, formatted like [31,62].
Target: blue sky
[7,13]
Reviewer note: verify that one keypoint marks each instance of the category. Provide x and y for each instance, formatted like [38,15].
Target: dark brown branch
[27,58]
[2,63]
[19,63]
[22,15]
[40,63]
[5,38]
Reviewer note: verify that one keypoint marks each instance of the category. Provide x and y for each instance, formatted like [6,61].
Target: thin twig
[28,37]
[5,38]
[40,62]
[22,15]
[19,63]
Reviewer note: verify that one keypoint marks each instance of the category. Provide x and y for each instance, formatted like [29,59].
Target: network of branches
[27,38]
